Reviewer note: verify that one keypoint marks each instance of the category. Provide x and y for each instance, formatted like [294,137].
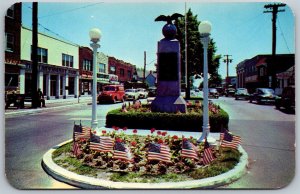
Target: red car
[112,93]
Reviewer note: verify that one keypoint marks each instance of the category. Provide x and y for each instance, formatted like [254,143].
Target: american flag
[229,140]
[122,152]
[81,132]
[189,150]
[102,143]
[207,154]
[159,152]
[76,149]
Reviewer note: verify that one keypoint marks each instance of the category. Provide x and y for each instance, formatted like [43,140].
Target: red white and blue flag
[102,143]
[76,149]
[230,141]
[81,132]
[159,152]
[207,154]
[122,152]
[189,150]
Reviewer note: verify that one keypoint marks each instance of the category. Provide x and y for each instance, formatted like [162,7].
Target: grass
[226,160]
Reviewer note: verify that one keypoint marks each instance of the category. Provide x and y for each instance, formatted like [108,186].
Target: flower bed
[105,165]
[141,117]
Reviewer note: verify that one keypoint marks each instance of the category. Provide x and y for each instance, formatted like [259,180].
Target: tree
[195,49]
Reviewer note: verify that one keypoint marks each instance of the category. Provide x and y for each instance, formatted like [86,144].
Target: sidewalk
[50,104]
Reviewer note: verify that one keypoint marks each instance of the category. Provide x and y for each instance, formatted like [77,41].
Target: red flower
[164,133]
[119,140]
[116,128]
[158,132]
[103,131]
[94,132]
[175,137]
[184,139]
[152,130]
[160,141]
[191,137]
[134,131]
[124,128]
[133,143]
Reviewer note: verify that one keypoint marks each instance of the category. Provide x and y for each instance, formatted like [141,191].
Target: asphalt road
[268,136]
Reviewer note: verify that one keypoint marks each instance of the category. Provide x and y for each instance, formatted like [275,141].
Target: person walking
[41,98]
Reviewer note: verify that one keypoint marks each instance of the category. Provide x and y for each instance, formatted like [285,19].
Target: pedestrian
[41,98]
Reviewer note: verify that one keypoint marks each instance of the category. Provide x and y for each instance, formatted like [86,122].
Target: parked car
[131,94]
[220,91]
[112,93]
[241,93]
[229,92]
[263,95]
[286,99]
[143,93]
[213,93]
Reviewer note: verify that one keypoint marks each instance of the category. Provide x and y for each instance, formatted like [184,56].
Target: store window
[42,55]
[112,70]
[122,72]
[10,39]
[102,68]
[87,65]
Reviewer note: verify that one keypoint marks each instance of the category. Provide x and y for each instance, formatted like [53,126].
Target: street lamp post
[95,35]
[204,29]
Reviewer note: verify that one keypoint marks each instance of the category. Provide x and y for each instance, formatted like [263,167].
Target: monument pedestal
[168,97]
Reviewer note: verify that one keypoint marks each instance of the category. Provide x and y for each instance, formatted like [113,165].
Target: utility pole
[274,9]
[227,60]
[34,64]
[144,67]
[187,73]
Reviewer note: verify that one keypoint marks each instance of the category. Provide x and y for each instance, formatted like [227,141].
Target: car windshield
[109,88]
[213,90]
[130,90]
[242,91]
[267,91]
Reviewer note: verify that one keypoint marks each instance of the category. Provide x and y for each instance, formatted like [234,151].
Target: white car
[143,93]
[132,94]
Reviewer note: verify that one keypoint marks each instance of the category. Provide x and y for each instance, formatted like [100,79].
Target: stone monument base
[170,104]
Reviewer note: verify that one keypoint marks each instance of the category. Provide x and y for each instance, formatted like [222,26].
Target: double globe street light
[205,29]
[95,35]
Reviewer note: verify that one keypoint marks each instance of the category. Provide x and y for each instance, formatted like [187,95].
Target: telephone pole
[274,9]
[144,74]
[227,60]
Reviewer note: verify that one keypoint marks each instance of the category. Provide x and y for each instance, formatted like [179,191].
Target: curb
[85,182]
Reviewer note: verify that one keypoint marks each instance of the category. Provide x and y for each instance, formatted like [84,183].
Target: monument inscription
[168,70]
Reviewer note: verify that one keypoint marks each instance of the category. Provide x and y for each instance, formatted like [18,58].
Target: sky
[241,30]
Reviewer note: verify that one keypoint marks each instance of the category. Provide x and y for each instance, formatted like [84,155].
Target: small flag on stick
[102,144]
[159,152]
[207,154]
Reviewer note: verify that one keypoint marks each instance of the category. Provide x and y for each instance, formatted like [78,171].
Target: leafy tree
[195,49]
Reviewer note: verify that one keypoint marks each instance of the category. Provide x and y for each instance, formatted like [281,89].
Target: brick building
[122,69]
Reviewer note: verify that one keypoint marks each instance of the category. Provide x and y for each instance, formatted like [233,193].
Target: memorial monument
[168,98]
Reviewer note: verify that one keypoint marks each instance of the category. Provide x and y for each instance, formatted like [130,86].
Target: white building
[58,67]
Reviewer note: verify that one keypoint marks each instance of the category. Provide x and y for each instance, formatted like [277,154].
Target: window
[10,12]
[42,55]
[10,39]
[129,74]
[67,60]
[112,70]
[87,65]
[122,72]
[102,68]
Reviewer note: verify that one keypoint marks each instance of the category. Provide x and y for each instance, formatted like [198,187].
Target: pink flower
[160,141]
[133,143]
[158,132]
[119,140]
[191,137]
[164,133]
[134,131]
[103,131]
[152,130]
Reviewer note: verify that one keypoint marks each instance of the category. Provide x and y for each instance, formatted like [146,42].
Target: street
[268,136]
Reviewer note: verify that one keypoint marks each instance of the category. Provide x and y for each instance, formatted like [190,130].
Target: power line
[283,37]
[70,10]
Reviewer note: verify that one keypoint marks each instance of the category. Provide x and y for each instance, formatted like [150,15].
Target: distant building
[151,79]
[122,69]
[255,72]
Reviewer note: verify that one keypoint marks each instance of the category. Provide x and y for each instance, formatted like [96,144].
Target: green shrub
[166,121]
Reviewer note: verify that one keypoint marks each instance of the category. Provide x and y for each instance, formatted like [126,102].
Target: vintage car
[286,99]
[143,93]
[131,94]
[241,93]
[112,93]
[213,93]
[263,96]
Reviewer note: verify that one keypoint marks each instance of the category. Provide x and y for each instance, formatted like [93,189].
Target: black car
[286,99]
[229,92]
[152,91]
[263,96]
[213,93]
[241,93]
